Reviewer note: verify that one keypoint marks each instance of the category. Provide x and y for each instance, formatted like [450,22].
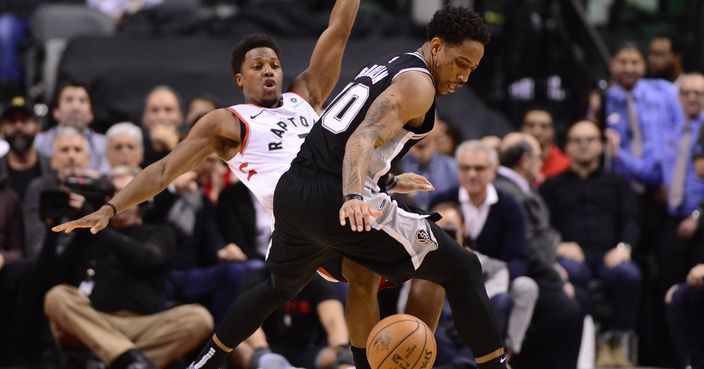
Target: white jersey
[270,142]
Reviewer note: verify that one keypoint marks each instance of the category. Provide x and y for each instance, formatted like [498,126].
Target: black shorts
[308,233]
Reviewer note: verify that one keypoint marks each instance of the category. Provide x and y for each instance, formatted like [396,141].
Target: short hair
[537,107]
[69,131]
[249,42]
[123,171]
[167,88]
[125,128]
[627,45]
[677,44]
[510,156]
[449,206]
[71,83]
[477,145]
[455,24]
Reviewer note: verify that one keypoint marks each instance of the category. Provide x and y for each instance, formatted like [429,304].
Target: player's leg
[362,310]
[459,272]
[425,300]
[292,263]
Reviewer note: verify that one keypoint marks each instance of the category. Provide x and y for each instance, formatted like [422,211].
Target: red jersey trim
[243,145]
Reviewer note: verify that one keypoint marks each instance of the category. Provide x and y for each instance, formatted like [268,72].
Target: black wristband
[353,196]
[114,209]
[391,182]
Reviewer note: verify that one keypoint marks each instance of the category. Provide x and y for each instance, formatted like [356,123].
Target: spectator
[22,163]
[162,119]
[494,227]
[73,109]
[124,145]
[446,137]
[682,237]
[685,303]
[71,159]
[244,221]
[638,111]
[12,268]
[119,9]
[14,27]
[206,270]
[554,337]
[310,329]
[597,211]
[198,107]
[452,353]
[665,58]
[539,123]
[116,312]
[439,169]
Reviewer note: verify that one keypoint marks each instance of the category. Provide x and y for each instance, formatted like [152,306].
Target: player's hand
[359,214]
[96,221]
[411,182]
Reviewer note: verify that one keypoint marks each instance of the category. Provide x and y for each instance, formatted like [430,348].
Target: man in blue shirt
[685,190]
[637,112]
[438,168]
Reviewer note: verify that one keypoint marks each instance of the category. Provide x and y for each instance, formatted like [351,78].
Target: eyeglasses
[476,168]
[697,93]
[583,140]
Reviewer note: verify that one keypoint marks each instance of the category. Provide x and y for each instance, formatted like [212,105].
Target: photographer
[116,311]
[71,159]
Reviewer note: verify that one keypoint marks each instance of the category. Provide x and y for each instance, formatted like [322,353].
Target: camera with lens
[54,204]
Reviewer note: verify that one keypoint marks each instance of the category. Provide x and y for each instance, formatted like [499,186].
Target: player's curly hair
[455,24]
[249,42]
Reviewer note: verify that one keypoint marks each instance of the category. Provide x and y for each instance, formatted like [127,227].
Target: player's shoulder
[216,122]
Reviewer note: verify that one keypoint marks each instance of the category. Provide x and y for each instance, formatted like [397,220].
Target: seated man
[494,227]
[116,311]
[596,212]
[685,303]
[554,336]
[310,329]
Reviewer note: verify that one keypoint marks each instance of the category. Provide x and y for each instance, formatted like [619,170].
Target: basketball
[401,341]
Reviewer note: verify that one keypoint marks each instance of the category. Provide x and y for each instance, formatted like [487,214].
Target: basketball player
[259,139]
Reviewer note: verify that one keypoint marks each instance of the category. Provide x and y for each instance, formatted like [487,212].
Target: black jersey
[324,148]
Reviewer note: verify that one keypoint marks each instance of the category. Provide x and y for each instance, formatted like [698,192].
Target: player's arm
[408,97]
[204,139]
[316,83]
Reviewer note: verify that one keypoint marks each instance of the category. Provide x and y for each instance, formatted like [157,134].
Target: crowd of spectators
[608,226]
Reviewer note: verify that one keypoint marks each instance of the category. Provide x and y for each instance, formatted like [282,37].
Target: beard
[20,143]
[667,73]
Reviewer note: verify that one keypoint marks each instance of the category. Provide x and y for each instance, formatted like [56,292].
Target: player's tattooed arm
[316,83]
[409,96]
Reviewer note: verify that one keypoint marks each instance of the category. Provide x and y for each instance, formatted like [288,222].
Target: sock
[210,357]
[496,363]
[360,358]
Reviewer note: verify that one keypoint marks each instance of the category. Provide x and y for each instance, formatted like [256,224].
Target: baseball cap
[17,105]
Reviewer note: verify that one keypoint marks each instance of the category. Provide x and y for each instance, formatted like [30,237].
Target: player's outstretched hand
[359,214]
[96,221]
[411,182]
